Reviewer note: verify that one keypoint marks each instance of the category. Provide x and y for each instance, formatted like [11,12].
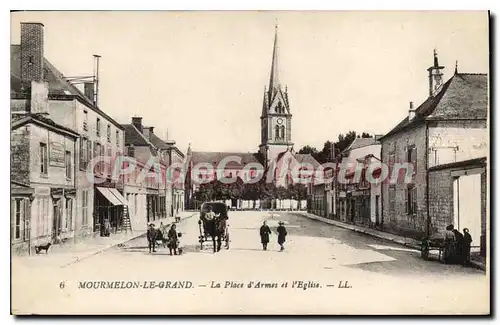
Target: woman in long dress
[449,245]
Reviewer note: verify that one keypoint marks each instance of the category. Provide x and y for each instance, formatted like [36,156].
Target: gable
[277,100]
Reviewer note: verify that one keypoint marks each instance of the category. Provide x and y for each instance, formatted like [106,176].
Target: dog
[45,248]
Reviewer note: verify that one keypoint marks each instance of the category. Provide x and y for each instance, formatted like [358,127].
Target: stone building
[443,140]
[43,192]
[99,134]
[355,199]
[146,155]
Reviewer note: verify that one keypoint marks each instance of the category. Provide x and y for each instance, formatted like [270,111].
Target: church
[276,153]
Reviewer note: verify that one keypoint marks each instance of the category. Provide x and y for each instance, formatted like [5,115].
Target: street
[377,277]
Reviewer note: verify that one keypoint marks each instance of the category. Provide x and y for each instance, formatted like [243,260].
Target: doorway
[467,206]
[56,220]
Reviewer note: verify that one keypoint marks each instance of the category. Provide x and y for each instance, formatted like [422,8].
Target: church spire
[274,81]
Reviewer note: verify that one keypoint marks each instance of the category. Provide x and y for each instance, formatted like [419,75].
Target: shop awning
[119,196]
[109,196]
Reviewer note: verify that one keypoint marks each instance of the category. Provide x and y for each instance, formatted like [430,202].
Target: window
[85,120]
[411,200]
[131,151]
[277,135]
[392,198]
[89,151]
[282,131]
[68,164]
[43,159]
[43,216]
[377,203]
[18,219]
[98,127]
[69,214]
[117,138]
[83,153]
[411,157]
[108,133]
[85,208]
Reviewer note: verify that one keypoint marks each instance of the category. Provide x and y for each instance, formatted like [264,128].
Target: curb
[79,259]
[366,232]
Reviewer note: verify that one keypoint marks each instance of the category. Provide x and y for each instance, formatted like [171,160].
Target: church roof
[274,80]
[214,158]
[307,158]
[463,96]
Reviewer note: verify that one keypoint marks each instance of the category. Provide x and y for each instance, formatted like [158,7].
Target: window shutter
[81,152]
[414,159]
[26,218]
[407,202]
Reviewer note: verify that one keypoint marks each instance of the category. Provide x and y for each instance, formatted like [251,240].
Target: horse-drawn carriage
[213,223]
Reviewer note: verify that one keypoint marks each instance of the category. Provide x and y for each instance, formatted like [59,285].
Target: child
[281,230]
[180,248]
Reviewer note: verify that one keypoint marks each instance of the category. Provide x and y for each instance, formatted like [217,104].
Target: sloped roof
[214,158]
[19,120]
[58,85]
[360,143]
[134,136]
[307,158]
[463,96]
[159,143]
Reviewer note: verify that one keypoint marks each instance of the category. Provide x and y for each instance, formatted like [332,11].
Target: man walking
[264,235]
[151,234]
[281,230]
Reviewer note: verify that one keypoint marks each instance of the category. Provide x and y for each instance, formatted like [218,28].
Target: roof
[58,86]
[134,136]
[159,143]
[360,143]
[481,161]
[214,158]
[463,96]
[19,120]
[307,158]
[163,145]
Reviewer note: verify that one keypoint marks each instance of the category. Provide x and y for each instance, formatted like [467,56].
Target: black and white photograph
[250,162]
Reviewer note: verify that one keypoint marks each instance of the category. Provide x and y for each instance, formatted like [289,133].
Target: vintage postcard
[250,162]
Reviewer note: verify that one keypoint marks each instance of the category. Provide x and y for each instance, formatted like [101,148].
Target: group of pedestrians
[457,246]
[172,240]
[265,231]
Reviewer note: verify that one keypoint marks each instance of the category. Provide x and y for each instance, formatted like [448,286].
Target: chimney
[89,91]
[39,97]
[378,136]
[411,112]
[31,53]
[435,77]
[147,131]
[137,122]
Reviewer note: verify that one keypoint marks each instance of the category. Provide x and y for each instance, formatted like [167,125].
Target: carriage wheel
[201,242]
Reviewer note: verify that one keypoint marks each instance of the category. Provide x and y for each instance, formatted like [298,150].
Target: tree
[308,150]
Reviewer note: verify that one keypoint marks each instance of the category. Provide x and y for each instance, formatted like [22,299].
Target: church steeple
[274,80]
[276,119]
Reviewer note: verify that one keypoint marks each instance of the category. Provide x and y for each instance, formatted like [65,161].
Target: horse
[214,227]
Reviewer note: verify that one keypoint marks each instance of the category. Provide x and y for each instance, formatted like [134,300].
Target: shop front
[108,210]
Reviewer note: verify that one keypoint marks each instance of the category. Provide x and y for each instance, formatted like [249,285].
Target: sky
[201,75]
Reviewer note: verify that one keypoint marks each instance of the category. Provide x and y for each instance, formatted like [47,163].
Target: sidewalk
[66,254]
[405,241]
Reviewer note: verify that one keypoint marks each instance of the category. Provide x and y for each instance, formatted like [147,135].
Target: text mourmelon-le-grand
[135,284]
